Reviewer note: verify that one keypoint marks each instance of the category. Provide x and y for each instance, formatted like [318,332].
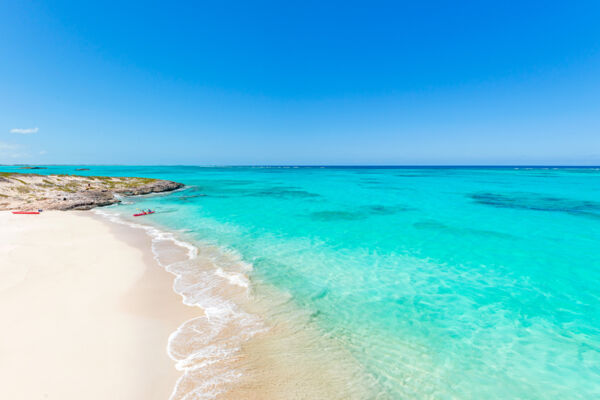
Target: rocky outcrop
[71,192]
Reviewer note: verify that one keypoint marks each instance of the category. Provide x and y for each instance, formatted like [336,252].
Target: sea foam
[204,348]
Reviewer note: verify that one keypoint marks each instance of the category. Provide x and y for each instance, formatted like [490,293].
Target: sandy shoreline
[85,312]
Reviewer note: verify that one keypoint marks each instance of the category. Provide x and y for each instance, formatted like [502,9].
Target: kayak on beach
[25,212]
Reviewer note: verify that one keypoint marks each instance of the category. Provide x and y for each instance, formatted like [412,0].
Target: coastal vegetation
[68,192]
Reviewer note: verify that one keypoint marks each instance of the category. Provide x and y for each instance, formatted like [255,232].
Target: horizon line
[316,165]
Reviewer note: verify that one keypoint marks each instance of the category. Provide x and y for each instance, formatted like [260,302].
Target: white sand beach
[84,314]
[87,312]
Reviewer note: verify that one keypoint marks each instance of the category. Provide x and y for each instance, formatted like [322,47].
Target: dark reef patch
[427,173]
[231,182]
[336,216]
[378,209]
[430,225]
[443,228]
[373,181]
[211,189]
[190,197]
[228,191]
[283,192]
[416,175]
[541,174]
[594,171]
[537,202]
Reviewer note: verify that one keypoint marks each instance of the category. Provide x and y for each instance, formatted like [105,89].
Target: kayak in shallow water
[144,213]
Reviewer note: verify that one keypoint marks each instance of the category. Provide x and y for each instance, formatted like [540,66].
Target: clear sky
[305,82]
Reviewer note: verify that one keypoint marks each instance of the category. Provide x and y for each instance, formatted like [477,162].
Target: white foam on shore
[204,348]
[235,278]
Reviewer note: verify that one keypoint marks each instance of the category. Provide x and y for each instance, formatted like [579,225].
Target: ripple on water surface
[464,283]
[251,344]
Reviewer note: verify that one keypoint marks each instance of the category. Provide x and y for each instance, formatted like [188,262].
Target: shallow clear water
[442,282]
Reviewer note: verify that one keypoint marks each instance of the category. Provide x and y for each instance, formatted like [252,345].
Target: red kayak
[143,213]
[25,212]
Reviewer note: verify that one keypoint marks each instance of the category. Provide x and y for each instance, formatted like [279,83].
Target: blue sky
[311,82]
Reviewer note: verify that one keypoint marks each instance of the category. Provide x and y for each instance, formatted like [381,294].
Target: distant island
[71,192]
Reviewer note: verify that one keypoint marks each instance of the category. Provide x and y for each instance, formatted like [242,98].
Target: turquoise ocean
[441,283]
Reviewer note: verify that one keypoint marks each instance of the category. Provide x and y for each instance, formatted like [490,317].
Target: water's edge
[242,345]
